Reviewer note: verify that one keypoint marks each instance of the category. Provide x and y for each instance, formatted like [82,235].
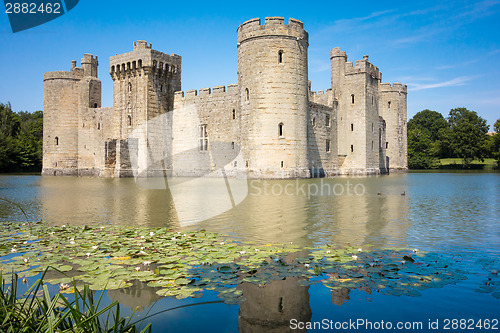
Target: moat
[455,215]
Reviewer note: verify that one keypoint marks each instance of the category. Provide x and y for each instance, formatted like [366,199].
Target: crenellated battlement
[395,87]
[231,89]
[273,26]
[336,52]
[75,74]
[143,57]
[142,44]
[363,66]
[323,97]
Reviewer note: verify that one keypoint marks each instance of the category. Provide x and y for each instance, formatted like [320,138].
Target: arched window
[372,145]
[372,127]
[280,129]
[56,141]
[327,120]
[280,57]
[161,87]
[139,63]
[112,69]
[129,120]
[234,114]
[98,126]
[389,104]
[352,98]
[327,145]
[313,122]
[247,94]
[352,127]
[352,148]
[95,105]
[282,164]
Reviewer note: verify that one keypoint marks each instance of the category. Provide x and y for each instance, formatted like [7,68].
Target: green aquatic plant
[184,264]
[37,311]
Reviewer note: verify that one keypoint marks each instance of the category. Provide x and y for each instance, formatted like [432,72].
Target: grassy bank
[456,163]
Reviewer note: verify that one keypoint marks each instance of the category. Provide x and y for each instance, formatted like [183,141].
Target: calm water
[450,213]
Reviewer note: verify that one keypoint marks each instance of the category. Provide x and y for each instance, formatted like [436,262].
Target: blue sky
[445,51]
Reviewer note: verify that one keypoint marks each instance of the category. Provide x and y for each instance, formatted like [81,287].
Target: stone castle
[268,125]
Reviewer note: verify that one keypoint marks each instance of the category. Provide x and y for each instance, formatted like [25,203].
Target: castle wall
[392,108]
[195,154]
[322,149]
[269,125]
[144,82]
[60,130]
[356,90]
[92,133]
[273,84]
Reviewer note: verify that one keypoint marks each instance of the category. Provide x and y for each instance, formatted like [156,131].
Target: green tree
[495,150]
[467,135]
[9,127]
[424,144]
[21,136]
[420,150]
[429,122]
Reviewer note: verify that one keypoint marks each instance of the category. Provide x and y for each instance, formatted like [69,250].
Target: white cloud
[459,81]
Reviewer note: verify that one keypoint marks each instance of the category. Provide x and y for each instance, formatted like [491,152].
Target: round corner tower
[60,118]
[273,97]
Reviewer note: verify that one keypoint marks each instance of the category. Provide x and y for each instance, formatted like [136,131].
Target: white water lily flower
[137,269]
[71,239]
[306,265]
[63,226]
[146,263]
[142,237]
[13,250]
[25,280]
[151,233]
[355,257]
[95,247]
[257,250]
[87,254]
[26,260]
[63,286]
[360,250]
[403,262]
[142,252]
[173,238]
[222,243]
[143,248]
[179,232]
[328,252]
[72,242]
[415,250]
[25,242]
[242,252]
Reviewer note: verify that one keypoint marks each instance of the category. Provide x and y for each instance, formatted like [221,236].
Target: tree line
[463,134]
[21,137]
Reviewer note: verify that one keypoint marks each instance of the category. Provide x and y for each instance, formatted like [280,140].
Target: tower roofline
[273,27]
